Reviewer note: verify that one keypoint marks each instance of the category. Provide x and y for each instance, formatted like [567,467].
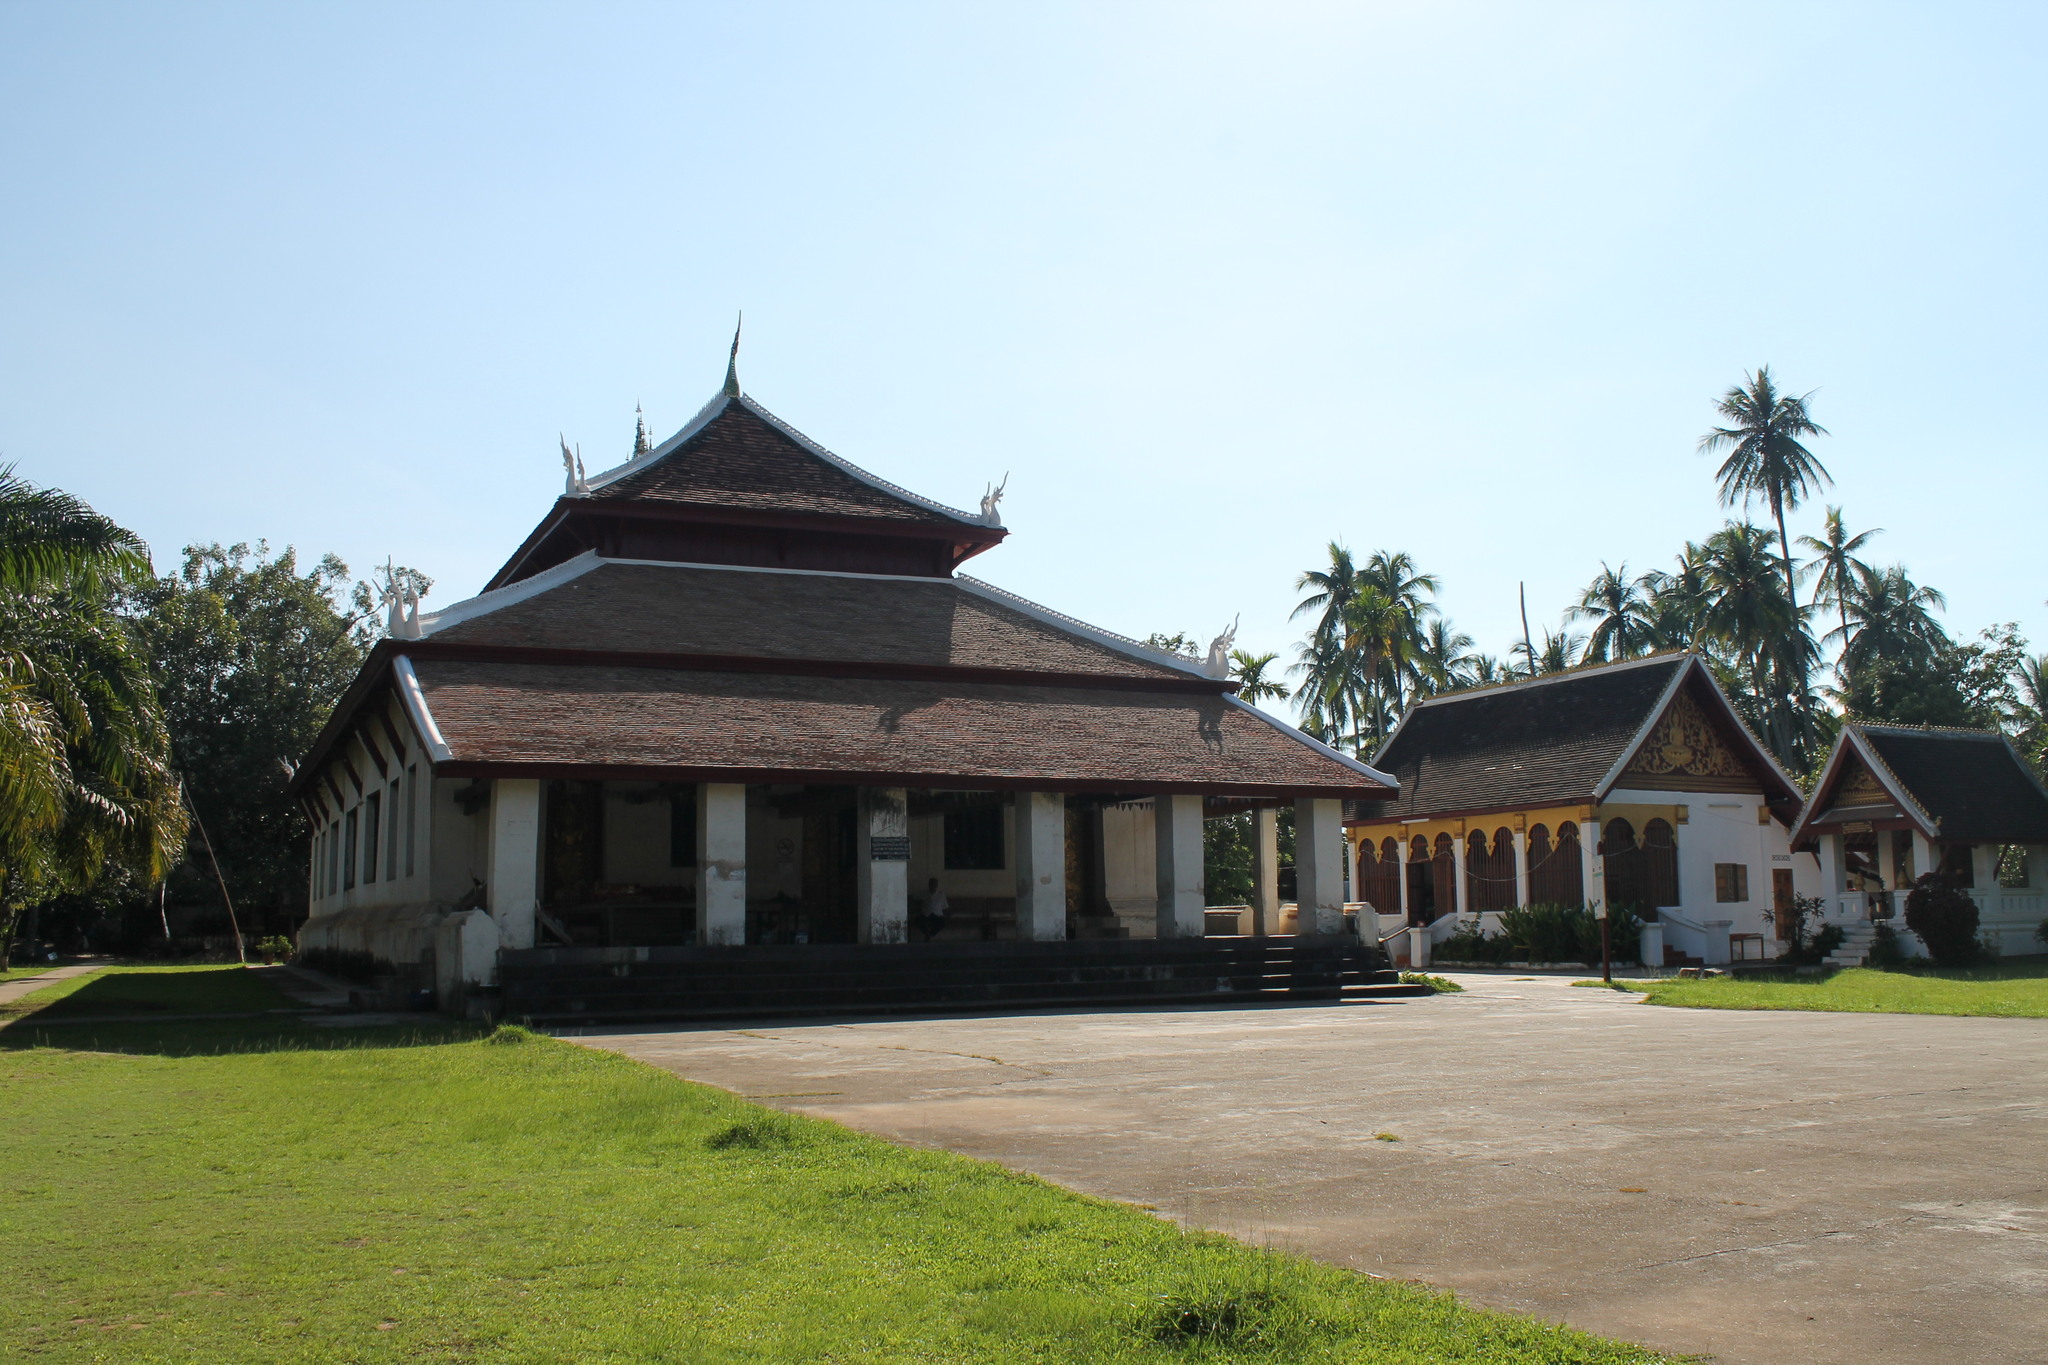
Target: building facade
[736,691]
[1895,802]
[1633,783]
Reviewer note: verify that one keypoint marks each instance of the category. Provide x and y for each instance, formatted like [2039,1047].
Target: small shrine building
[1895,802]
[1632,783]
[737,691]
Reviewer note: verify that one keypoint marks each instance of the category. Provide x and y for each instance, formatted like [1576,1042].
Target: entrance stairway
[630,985]
[1855,949]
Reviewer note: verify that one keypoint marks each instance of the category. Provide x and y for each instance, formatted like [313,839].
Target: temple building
[736,691]
[1634,784]
[1895,802]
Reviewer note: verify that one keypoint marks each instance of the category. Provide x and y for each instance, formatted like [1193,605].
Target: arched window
[1476,869]
[1555,874]
[1624,865]
[1489,871]
[1660,866]
[1505,891]
[1379,876]
[1443,870]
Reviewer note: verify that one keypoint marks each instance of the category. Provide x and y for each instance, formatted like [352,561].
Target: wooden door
[1781,899]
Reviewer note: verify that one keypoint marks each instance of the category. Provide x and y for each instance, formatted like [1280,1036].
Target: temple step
[630,985]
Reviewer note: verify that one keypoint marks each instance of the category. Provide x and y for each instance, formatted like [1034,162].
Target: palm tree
[1621,609]
[1395,576]
[1761,631]
[1254,682]
[1678,599]
[1765,456]
[1559,651]
[1834,567]
[1889,616]
[1330,591]
[85,780]
[1444,662]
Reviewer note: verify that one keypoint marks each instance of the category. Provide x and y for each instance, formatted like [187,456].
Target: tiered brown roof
[713,612]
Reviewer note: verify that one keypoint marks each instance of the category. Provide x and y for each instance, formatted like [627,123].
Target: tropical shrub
[1945,918]
[1886,952]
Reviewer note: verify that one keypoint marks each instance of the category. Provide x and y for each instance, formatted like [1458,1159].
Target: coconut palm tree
[1620,608]
[1834,566]
[1253,674]
[1444,662]
[1559,651]
[85,778]
[1761,631]
[1765,456]
[1395,575]
[1329,592]
[1889,616]
[1678,599]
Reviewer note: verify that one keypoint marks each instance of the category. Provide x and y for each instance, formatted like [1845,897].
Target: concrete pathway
[1764,1187]
[13,990]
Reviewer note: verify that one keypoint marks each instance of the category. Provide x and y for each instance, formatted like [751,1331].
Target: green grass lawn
[2017,988]
[274,1191]
[149,990]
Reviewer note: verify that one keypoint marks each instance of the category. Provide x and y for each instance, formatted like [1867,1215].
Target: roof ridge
[717,406]
[1574,672]
[1893,728]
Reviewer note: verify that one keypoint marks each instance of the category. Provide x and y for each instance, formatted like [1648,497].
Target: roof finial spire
[642,445]
[732,366]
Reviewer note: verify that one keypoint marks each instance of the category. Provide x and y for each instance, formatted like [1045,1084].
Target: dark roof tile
[1970,781]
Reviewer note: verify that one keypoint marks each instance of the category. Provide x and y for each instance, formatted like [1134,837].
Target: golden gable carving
[1859,786]
[1685,744]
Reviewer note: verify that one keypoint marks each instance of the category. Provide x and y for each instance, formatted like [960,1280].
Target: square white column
[1177,840]
[1319,865]
[1401,855]
[1829,855]
[1592,867]
[1265,870]
[1461,897]
[514,888]
[882,864]
[721,863]
[1041,842]
[1984,867]
[1521,867]
[1926,857]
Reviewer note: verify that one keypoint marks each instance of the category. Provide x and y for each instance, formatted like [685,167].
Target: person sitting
[933,918]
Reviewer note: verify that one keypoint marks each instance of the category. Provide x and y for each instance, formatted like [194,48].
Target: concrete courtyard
[1758,1187]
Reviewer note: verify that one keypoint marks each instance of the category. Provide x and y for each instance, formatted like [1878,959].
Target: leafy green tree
[1887,618]
[1444,659]
[251,652]
[1753,622]
[86,789]
[1766,457]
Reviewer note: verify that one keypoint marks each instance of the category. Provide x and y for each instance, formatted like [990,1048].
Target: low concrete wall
[402,935]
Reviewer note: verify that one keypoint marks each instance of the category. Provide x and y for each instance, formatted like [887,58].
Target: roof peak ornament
[989,515]
[401,603]
[1217,665]
[575,483]
[643,445]
[732,364]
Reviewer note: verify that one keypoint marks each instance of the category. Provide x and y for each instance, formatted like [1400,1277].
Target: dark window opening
[974,839]
[1731,883]
[348,852]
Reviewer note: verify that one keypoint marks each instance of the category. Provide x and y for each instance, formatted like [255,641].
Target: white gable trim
[1363,769]
[415,702]
[485,603]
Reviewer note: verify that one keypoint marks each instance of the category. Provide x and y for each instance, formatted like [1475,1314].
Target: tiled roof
[1970,781]
[1531,743]
[687,609]
[565,717]
[743,458]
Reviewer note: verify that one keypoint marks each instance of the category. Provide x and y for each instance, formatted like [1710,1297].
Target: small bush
[276,948]
[757,1132]
[1441,984]
[2042,932]
[1886,954]
[510,1035]
[1235,1318]
[1945,918]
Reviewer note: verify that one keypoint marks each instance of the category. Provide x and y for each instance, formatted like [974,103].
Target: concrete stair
[631,985]
[1855,949]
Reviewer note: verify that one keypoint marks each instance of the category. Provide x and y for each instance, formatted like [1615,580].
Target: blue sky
[1214,284]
